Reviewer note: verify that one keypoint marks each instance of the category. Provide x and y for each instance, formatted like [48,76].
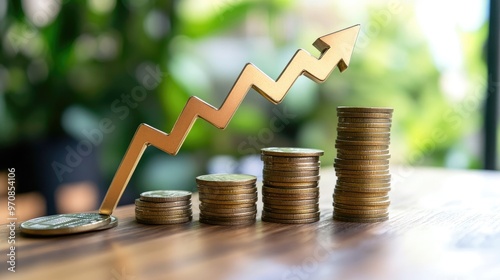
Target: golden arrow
[336,49]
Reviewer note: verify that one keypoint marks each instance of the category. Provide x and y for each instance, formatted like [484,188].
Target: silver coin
[65,224]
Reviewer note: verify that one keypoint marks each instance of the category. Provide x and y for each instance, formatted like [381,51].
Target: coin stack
[362,164]
[227,199]
[163,207]
[290,185]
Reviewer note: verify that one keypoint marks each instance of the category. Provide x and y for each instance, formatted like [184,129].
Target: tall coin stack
[290,185]
[362,164]
[163,207]
[227,199]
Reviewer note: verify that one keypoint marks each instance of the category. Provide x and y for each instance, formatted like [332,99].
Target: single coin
[164,221]
[266,189]
[359,220]
[293,165]
[140,203]
[364,120]
[291,185]
[353,178]
[304,207]
[360,207]
[374,196]
[291,211]
[229,202]
[203,207]
[365,125]
[364,137]
[290,168]
[291,179]
[160,217]
[230,223]
[291,152]
[283,159]
[364,185]
[361,167]
[346,201]
[165,196]
[208,214]
[383,162]
[163,213]
[291,196]
[63,224]
[226,191]
[365,115]
[228,219]
[362,143]
[347,215]
[204,196]
[225,179]
[226,206]
[347,155]
[362,173]
[362,189]
[267,172]
[359,151]
[282,221]
[269,202]
[163,209]
[361,212]
[341,129]
[362,147]
[355,109]
[290,216]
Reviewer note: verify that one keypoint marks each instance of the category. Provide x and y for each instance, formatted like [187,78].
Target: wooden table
[444,225]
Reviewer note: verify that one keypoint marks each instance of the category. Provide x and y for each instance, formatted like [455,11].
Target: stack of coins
[362,164]
[290,185]
[163,207]
[227,199]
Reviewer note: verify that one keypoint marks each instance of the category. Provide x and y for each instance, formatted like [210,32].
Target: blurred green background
[73,71]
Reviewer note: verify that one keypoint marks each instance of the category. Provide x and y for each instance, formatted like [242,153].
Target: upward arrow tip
[342,42]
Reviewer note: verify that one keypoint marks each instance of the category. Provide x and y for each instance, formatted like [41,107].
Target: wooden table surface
[443,224]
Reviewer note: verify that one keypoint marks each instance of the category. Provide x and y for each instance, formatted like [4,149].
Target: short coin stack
[362,164]
[163,207]
[227,199]
[290,185]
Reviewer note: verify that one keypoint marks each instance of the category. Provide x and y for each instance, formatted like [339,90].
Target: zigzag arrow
[336,49]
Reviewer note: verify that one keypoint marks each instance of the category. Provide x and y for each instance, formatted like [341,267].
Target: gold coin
[165,196]
[163,209]
[365,125]
[363,173]
[346,155]
[291,211]
[360,203]
[273,215]
[341,129]
[139,202]
[269,202]
[293,165]
[167,212]
[291,152]
[267,190]
[226,206]
[204,196]
[383,162]
[308,206]
[225,179]
[360,207]
[360,212]
[290,173]
[359,220]
[163,221]
[228,219]
[364,139]
[160,217]
[364,120]
[291,185]
[207,214]
[203,208]
[342,146]
[291,179]
[282,221]
[285,168]
[282,159]
[360,167]
[354,109]
[226,223]
[229,202]
[291,196]
[362,143]
[63,224]
[374,196]
[227,191]
[364,185]
[365,115]
[364,178]
[340,187]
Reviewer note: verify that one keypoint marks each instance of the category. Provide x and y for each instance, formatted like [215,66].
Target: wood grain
[443,225]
